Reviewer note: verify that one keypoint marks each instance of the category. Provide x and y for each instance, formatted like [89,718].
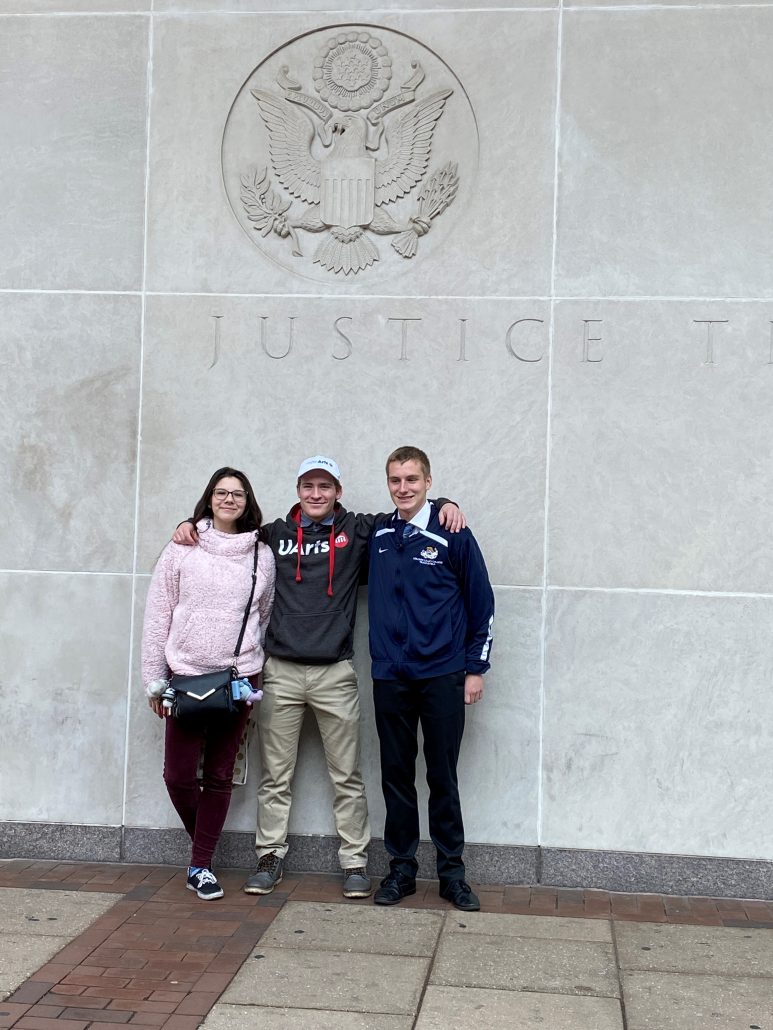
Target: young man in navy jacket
[431,611]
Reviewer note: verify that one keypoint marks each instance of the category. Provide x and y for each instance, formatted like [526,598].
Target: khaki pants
[330,691]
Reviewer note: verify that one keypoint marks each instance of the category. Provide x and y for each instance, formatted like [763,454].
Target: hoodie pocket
[314,637]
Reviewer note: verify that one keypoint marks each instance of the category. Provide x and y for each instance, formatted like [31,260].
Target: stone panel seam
[551,587]
[60,572]
[661,299]
[219,294]
[390,11]
[348,11]
[619,972]
[76,293]
[618,8]
[138,446]
[558,298]
[548,435]
[497,297]
[749,595]
[76,14]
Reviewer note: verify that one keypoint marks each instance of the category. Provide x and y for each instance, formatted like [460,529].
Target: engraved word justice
[524,339]
[339,162]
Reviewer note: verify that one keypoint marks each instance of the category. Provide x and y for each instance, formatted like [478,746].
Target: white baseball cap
[322,464]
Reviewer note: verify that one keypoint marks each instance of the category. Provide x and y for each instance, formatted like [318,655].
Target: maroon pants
[202,808]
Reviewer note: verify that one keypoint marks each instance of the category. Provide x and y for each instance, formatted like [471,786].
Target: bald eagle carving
[347,170]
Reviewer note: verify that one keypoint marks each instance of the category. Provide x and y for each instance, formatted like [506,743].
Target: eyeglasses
[220,494]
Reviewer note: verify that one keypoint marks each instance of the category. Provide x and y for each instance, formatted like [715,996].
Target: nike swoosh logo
[382,549]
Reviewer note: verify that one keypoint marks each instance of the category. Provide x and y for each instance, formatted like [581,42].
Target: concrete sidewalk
[89,947]
[333,966]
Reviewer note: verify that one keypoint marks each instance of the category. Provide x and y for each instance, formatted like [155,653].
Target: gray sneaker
[356,883]
[266,876]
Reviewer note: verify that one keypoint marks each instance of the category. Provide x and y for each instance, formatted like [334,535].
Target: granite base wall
[627,872]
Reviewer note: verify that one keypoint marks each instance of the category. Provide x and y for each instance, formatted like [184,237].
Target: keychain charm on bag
[242,691]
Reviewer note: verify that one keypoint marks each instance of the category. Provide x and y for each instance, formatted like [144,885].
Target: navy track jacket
[430,602]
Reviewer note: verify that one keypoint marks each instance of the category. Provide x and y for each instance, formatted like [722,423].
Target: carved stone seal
[344,135]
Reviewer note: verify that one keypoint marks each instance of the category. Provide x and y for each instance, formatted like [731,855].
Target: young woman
[193,616]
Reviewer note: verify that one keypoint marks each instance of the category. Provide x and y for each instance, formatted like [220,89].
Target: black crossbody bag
[209,696]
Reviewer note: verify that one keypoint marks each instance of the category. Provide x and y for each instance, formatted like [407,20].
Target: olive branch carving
[266,208]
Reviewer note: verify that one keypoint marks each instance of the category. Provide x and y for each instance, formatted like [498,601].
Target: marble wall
[583,342]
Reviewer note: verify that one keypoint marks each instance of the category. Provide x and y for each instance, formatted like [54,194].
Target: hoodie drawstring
[331,557]
[332,560]
[299,535]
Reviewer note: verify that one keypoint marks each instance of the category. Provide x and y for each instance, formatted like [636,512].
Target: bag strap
[238,647]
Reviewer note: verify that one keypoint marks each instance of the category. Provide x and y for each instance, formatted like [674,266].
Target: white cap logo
[322,464]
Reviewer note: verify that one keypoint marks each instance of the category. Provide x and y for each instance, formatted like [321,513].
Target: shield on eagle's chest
[348,191]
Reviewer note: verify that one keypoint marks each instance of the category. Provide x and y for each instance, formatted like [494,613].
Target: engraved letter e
[587,339]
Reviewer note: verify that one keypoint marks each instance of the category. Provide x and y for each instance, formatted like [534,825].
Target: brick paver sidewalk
[161,958]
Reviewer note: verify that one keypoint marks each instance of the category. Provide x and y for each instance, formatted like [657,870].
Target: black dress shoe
[459,893]
[393,889]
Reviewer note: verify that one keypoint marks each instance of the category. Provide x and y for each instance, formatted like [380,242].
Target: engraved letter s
[344,337]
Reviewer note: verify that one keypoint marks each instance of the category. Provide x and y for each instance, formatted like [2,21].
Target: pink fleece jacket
[196,603]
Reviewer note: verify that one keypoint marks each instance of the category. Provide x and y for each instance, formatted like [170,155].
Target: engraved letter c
[509,341]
